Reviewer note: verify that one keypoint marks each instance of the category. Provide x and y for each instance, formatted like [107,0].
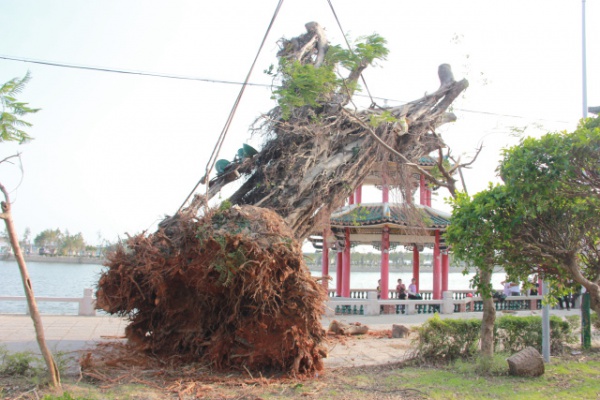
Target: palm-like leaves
[11,123]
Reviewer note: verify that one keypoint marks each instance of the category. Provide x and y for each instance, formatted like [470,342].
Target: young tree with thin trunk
[475,233]
[10,130]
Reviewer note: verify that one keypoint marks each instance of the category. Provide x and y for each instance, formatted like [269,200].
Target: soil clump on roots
[229,289]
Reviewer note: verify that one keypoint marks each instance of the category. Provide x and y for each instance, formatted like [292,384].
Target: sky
[114,153]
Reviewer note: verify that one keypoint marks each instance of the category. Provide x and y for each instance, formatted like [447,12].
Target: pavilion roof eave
[398,216]
[390,225]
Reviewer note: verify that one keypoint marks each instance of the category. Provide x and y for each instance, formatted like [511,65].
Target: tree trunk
[489,316]
[53,372]
[592,287]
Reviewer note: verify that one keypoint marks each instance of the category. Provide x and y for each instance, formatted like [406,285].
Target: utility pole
[545,324]
[586,329]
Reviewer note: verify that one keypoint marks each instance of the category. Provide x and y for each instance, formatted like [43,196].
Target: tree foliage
[11,122]
[546,219]
[62,243]
[312,84]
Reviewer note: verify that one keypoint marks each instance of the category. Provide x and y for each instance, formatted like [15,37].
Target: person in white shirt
[412,290]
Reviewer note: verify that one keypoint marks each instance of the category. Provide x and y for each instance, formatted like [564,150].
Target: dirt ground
[111,371]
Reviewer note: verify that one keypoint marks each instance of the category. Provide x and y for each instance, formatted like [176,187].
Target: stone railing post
[448,303]
[372,307]
[87,303]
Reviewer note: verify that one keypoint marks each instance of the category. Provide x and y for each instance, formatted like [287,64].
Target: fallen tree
[230,287]
[316,154]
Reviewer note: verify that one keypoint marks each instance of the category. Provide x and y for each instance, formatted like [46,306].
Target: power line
[228,82]
[127,72]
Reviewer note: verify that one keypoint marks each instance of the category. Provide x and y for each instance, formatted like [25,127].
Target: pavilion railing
[392,294]
[450,303]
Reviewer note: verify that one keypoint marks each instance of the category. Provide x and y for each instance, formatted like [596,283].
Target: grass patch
[567,376]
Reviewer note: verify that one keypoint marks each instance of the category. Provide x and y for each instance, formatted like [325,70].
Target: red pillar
[339,273]
[437,268]
[351,199]
[325,263]
[416,264]
[358,195]
[424,193]
[445,270]
[385,262]
[422,199]
[346,267]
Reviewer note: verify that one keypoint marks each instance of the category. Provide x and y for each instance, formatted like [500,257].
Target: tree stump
[527,362]
[400,331]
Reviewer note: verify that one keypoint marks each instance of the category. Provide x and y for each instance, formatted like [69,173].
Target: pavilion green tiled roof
[370,214]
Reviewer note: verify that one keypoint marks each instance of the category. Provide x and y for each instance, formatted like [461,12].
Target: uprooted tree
[230,286]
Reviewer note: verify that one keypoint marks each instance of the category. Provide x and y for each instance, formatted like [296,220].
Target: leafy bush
[21,363]
[516,333]
[447,340]
[574,322]
[594,320]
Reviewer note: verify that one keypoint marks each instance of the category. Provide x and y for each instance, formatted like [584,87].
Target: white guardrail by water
[87,303]
[367,305]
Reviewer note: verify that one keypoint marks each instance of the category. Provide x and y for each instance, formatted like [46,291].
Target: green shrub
[21,363]
[574,322]
[594,320]
[447,340]
[515,333]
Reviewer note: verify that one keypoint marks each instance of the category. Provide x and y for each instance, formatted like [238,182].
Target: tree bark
[592,287]
[53,373]
[489,316]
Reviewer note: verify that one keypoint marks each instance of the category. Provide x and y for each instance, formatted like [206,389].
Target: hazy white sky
[114,153]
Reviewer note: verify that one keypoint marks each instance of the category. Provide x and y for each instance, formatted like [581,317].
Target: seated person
[413,294]
[511,288]
[401,290]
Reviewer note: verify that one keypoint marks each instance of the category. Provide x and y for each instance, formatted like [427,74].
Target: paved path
[74,333]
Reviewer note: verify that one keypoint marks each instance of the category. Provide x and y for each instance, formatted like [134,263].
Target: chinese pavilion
[385,226]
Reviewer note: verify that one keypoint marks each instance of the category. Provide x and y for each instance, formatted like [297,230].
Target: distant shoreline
[57,259]
[313,268]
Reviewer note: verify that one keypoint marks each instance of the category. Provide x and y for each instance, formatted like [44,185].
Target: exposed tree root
[230,289]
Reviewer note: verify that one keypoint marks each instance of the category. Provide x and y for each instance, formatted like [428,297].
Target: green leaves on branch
[304,85]
[310,85]
[11,124]
[543,219]
[385,117]
[367,50]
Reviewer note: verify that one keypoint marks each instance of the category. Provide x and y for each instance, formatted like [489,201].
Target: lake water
[69,280]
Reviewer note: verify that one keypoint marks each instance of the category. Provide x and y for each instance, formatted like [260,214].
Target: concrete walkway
[74,333]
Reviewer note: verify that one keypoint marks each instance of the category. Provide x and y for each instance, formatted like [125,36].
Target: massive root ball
[230,289]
